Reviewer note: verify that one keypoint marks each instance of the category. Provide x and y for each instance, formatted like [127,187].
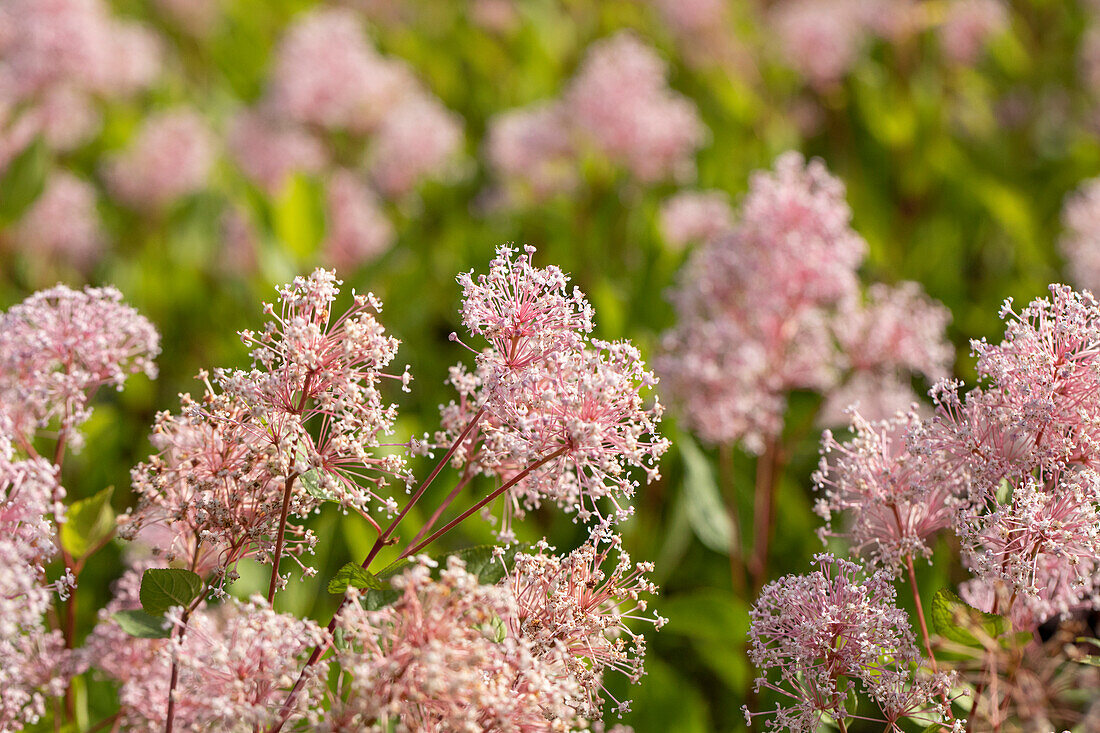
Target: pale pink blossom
[415,141]
[269,152]
[821,39]
[62,225]
[565,410]
[326,73]
[696,217]
[754,307]
[818,638]
[436,660]
[34,657]
[171,157]
[621,102]
[571,604]
[968,26]
[1080,242]
[59,346]
[534,149]
[894,503]
[236,663]
[358,230]
[895,328]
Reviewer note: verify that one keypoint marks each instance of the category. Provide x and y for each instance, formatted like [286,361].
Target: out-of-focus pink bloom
[327,74]
[62,225]
[886,337]
[240,242]
[754,306]
[358,230]
[65,117]
[876,395]
[269,151]
[131,60]
[696,217]
[76,42]
[497,16]
[826,634]
[620,100]
[896,327]
[895,501]
[967,27]
[436,660]
[1080,242]
[415,140]
[533,148]
[571,604]
[821,39]
[171,157]
[59,346]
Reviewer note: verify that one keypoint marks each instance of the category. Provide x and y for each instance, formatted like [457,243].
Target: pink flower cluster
[62,224]
[527,654]
[817,638]
[1080,243]
[968,26]
[171,157]
[1025,444]
[34,657]
[773,304]
[557,409]
[329,88]
[58,347]
[896,501]
[56,56]
[618,105]
[696,217]
[301,427]
[236,662]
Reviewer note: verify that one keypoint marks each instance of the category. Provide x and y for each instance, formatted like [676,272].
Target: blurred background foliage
[956,173]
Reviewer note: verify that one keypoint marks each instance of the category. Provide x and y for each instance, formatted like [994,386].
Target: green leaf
[955,620]
[88,524]
[23,180]
[141,624]
[705,510]
[162,588]
[353,575]
[313,486]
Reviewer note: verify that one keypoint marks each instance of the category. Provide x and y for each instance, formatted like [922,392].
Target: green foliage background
[943,189]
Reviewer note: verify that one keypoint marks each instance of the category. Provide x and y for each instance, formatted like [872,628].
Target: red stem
[280,541]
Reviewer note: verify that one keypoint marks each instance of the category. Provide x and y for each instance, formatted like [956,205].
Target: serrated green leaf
[705,510]
[141,624]
[23,180]
[88,524]
[353,575]
[162,588]
[957,621]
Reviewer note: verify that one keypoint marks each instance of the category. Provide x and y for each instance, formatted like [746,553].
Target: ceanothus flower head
[59,346]
[818,638]
[894,501]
